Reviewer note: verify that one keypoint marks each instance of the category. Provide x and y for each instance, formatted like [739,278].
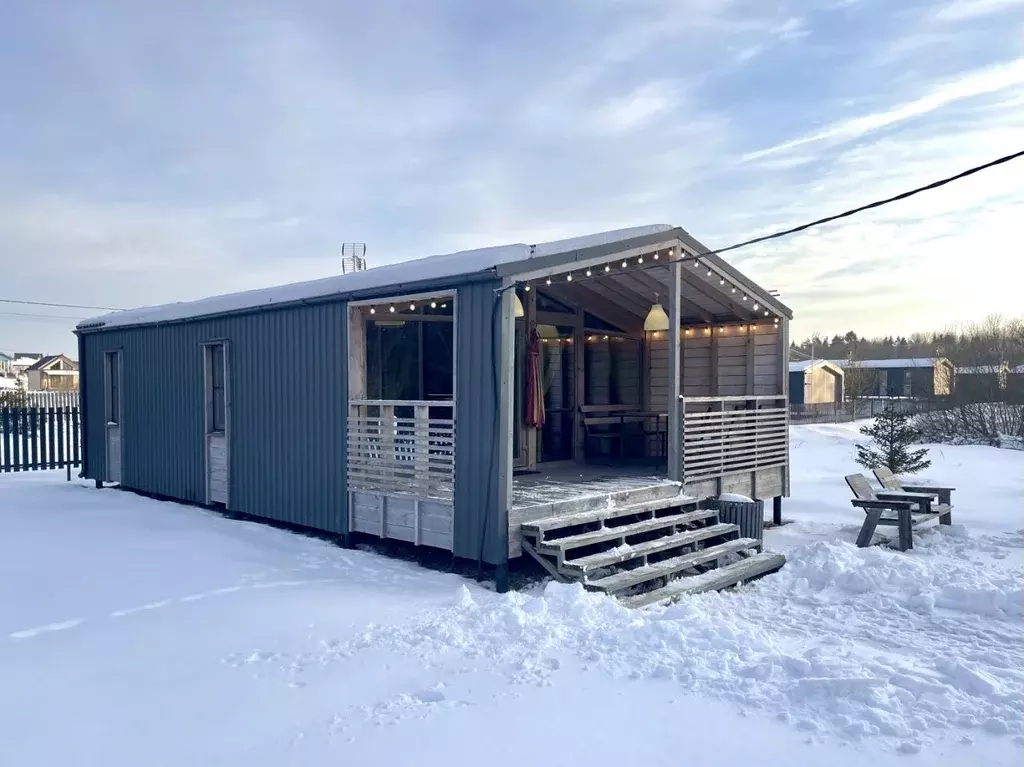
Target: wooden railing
[401,447]
[728,435]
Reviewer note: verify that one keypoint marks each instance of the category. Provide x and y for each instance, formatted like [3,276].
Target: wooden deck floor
[569,481]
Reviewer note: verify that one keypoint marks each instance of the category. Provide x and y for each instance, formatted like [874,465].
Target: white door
[113,415]
[217,423]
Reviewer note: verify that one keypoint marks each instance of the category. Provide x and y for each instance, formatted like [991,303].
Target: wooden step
[624,554]
[541,527]
[625,531]
[713,580]
[630,578]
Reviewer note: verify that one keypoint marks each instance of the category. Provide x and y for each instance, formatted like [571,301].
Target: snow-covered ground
[139,632]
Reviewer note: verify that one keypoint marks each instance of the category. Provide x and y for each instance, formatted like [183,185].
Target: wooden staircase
[645,545]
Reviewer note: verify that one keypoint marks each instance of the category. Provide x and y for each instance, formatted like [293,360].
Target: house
[22,361]
[918,377]
[989,383]
[815,385]
[55,372]
[5,362]
[472,402]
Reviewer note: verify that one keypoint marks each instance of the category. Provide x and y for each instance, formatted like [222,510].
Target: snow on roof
[903,362]
[8,383]
[24,362]
[802,365]
[418,270]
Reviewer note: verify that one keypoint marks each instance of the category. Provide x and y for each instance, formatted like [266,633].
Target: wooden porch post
[506,403]
[675,448]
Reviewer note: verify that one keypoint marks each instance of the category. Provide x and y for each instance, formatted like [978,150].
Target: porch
[596,401]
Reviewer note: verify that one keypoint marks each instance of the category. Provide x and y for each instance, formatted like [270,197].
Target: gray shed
[452,400]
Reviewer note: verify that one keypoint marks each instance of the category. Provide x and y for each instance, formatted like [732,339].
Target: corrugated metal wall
[481,525]
[287,373]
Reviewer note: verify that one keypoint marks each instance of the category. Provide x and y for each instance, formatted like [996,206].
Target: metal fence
[852,410]
[65,399]
[40,438]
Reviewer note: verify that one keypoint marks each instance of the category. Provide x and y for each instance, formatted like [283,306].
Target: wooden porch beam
[674,452]
[740,309]
[599,305]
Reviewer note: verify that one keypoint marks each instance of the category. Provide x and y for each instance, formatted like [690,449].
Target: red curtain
[534,385]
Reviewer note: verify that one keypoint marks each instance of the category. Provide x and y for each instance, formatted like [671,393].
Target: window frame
[112,397]
[210,387]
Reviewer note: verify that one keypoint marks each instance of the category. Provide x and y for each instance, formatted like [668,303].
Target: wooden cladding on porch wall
[729,363]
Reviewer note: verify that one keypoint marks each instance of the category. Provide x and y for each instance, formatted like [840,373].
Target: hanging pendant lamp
[517,305]
[657,319]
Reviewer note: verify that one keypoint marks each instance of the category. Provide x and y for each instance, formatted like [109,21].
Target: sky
[157,152]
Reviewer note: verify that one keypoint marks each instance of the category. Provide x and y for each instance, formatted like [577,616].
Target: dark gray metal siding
[287,373]
[481,525]
[796,387]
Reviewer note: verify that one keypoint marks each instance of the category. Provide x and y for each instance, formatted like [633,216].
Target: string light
[696,263]
[656,255]
[640,260]
[372,310]
[444,306]
[607,267]
[709,272]
[671,251]
[391,309]
[733,290]
[744,298]
[756,306]
[606,338]
[721,281]
[589,272]
[654,334]
[687,331]
[624,264]
[547,281]
[707,331]
[568,277]
[765,312]
[412,307]
[433,304]
[776,320]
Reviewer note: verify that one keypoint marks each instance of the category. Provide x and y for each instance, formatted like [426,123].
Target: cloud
[170,153]
[979,83]
[961,10]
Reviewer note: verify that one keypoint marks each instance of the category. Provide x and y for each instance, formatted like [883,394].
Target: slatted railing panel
[728,435]
[402,448]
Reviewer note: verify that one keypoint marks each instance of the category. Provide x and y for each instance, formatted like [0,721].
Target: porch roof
[509,262]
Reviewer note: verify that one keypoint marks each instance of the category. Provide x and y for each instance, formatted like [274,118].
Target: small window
[217,412]
[113,388]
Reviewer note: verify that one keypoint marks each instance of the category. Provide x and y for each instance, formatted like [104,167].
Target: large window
[410,360]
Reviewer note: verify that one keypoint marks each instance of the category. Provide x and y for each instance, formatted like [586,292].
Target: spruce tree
[893,434]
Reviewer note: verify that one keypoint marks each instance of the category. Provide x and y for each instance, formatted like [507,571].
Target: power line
[59,306]
[41,316]
[875,204]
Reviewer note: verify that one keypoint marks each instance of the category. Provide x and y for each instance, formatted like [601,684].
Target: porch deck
[570,481]
[568,487]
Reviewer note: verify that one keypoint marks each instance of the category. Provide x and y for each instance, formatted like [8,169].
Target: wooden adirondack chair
[944,495]
[905,506]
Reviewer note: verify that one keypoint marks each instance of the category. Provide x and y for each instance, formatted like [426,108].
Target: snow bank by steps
[856,643]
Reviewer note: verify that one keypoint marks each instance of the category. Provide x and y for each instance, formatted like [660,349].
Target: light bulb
[733,290]
[671,251]
[547,281]
[391,309]
[756,306]
[656,255]
[721,281]
[433,304]
[372,310]
[709,272]
[606,338]
[607,268]
[589,272]
[624,264]
[640,260]
[568,278]
[412,307]
[687,331]
[526,288]
[444,306]
[744,298]
[765,312]
[776,320]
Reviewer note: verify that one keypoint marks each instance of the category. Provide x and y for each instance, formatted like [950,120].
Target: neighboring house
[920,377]
[815,383]
[980,383]
[22,361]
[57,372]
[358,432]
[5,362]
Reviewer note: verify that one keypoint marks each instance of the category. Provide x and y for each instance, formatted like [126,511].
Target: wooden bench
[944,507]
[910,509]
